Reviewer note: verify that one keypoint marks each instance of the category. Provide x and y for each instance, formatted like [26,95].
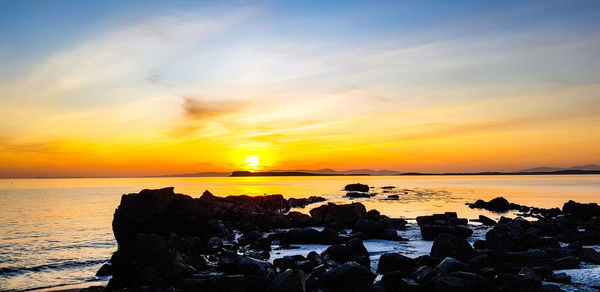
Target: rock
[446,245]
[388,187]
[498,204]
[393,197]
[529,273]
[450,265]
[578,210]
[357,195]
[479,244]
[389,262]
[295,262]
[346,215]
[589,255]
[486,220]
[303,202]
[218,282]
[353,250]
[375,229]
[423,273]
[308,236]
[562,278]
[356,188]
[453,284]
[566,263]
[288,281]
[398,281]
[105,270]
[350,275]
[231,264]
[430,232]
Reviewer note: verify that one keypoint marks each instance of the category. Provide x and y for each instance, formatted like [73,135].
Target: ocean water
[56,232]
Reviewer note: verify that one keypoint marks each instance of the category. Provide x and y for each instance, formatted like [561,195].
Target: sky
[134,88]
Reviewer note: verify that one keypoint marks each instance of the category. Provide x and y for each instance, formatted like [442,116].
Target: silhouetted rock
[303,202]
[353,250]
[579,210]
[389,262]
[105,270]
[231,263]
[343,214]
[486,220]
[446,245]
[357,195]
[356,188]
[350,275]
[288,281]
[498,204]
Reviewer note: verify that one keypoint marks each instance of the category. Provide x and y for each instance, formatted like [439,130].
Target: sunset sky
[101,88]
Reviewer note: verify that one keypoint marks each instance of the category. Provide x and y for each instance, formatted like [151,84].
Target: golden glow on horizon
[252,162]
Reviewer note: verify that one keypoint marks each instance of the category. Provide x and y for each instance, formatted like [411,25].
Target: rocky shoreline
[173,242]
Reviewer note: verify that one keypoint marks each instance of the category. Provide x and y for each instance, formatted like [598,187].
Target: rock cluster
[172,242]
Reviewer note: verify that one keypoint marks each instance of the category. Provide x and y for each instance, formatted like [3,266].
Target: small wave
[12,271]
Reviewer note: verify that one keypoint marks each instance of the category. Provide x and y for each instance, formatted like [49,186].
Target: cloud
[200,109]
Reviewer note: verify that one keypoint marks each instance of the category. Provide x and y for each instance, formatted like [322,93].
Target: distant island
[288,173]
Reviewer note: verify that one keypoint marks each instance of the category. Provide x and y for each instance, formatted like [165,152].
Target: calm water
[58,231]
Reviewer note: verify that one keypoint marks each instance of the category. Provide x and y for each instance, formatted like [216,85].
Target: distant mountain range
[587,167]
[583,169]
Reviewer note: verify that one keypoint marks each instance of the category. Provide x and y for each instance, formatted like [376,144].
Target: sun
[252,162]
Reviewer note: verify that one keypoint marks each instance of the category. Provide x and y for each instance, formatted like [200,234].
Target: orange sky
[185,91]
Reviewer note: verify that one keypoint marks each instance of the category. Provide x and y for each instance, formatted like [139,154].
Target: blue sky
[279,76]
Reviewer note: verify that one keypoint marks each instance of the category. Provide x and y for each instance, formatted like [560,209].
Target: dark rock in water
[105,270]
[393,197]
[446,245]
[232,264]
[303,202]
[296,262]
[389,262]
[388,187]
[517,235]
[479,244]
[562,278]
[430,232]
[579,210]
[345,215]
[376,229]
[589,255]
[498,204]
[308,236]
[357,195]
[163,212]
[509,282]
[288,281]
[529,273]
[353,250]
[350,275]
[447,223]
[356,188]
[427,260]
[486,220]
[482,282]
[566,263]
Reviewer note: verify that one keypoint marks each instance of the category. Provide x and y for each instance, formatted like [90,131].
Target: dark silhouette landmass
[287,173]
[558,172]
[588,167]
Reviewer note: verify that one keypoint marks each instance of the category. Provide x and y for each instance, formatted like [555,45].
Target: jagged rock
[389,262]
[579,210]
[288,281]
[450,265]
[486,220]
[353,250]
[423,273]
[105,270]
[562,278]
[303,202]
[232,264]
[342,214]
[350,275]
[356,188]
[446,245]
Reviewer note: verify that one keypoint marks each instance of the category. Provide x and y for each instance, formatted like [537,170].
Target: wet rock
[566,263]
[295,262]
[589,255]
[345,215]
[375,229]
[353,250]
[446,245]
[398,281]
[479,244]
[578,210]
[423,273]
[562,278]
[308,236]
[389,262]
[486,220]
[303,202]
[288,281]
[356,188]
[357,195]
[105,270]
[529,273]
[393,197]
[450,265]
[447,223]
[350,275]
[498,204]
[454,284]
[231,264]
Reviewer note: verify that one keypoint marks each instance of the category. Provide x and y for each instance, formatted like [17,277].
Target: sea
[56,233]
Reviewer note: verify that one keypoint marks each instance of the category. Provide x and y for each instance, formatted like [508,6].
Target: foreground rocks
[173,242]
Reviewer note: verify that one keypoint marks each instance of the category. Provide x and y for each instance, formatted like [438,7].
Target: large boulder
[341,214]
[579,210]
[232,264]
[446,245]
[350,275]
[356,188]
[303,202]
[353,250]
[288,281]
[447,223]
[498,204]
[389,262]
[375,229]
